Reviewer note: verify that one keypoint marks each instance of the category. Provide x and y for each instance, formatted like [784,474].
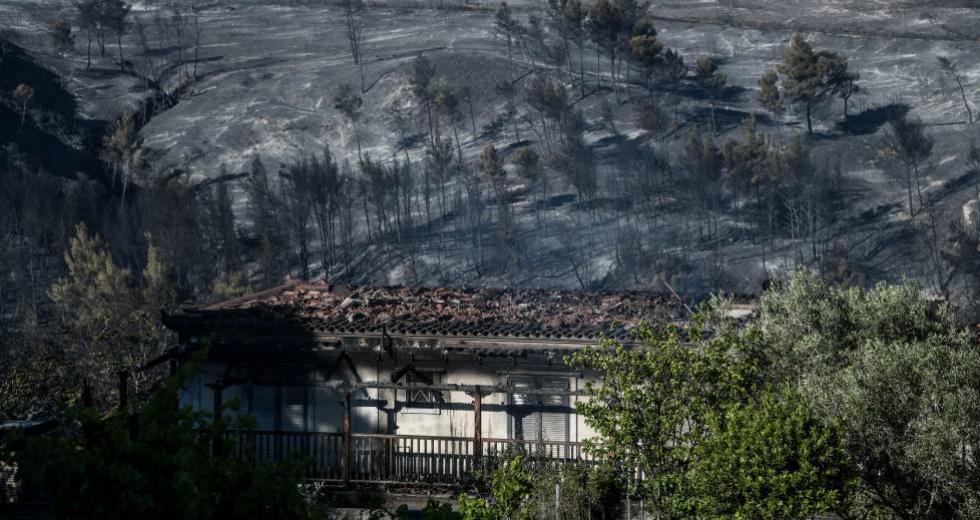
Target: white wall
[324,412]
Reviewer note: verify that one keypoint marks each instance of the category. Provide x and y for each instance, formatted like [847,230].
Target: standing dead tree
[506,28]
[420,81]
[88,20]
[350,104]
[447,104]
[64,42]
[906,141]
[949,67]
[353,23]
[263,209]
[116,18]
[325,188]
[297,204]
[438,171]
[712,82]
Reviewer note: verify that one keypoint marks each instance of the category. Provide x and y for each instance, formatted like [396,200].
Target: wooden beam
[477,427]
[123,389]
[469,389]
[216,389]
[346,458]
[87,401]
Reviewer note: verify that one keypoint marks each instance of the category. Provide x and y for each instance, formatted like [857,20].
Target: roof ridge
[228,304]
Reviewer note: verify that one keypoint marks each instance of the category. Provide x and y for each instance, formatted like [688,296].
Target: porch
[365,458]
[351,457]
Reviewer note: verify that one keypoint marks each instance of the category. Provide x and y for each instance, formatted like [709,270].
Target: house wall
[386,410]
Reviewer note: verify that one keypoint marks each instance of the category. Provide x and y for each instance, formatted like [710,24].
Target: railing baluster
[393,458]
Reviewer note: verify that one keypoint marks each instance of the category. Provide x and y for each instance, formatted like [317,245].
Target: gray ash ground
[268,72]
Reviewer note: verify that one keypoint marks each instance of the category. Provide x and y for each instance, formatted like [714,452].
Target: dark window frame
[418,400]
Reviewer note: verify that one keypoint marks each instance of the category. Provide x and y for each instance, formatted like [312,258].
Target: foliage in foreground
[902,379]
[694,410]
[165,462]
[107,320]
[770,459]
[861,402]
[518,486]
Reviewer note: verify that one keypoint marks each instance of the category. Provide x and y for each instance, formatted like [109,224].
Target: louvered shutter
[329,415]
[554,423]
[311,409]
[264,407]
[191,394]
[228,395]
[292,409]
[525,420]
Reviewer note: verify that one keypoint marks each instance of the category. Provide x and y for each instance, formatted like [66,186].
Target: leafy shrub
[164,462]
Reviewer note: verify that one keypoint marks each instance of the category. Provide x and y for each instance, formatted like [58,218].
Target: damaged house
[404,384]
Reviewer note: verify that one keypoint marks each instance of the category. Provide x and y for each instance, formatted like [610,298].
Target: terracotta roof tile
[437,311]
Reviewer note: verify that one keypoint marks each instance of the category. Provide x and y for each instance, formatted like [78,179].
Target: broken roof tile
[536,313]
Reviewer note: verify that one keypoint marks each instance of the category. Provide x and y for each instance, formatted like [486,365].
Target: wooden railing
[379,458]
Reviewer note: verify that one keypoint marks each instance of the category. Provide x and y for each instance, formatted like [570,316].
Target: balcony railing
[407,459]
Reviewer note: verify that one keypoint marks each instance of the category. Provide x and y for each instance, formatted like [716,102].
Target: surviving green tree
[685,375]
[899,375]
[810,76]
[768,459]
[166,462]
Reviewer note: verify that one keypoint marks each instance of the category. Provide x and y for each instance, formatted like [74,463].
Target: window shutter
[531,425]
[191,394]
[525,422]
[310,409]
[228,395]
[329,415]
[264,407]
[519,399]
[293,409]
[554,424]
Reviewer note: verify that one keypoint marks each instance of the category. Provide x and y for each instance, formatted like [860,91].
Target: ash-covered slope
[264,83]
[49,131]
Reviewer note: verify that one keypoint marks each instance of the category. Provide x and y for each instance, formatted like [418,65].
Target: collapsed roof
[326,309]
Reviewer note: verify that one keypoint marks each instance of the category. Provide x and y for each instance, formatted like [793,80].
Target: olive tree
[685,376]
[769,459]
[902,379]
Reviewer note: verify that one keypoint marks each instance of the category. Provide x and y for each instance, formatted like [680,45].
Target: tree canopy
[165,462]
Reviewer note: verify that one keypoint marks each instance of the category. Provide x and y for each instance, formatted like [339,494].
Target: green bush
[768,460]
[900,375]
[164,462]
[523,487]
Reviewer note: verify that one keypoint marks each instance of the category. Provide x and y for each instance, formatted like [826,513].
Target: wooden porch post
[123,389]
[477,427]
[87,394]
[346,450]
[216,388]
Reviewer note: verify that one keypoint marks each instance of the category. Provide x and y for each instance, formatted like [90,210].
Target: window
[539,416]
[279,408]
[263,407]
[292,408]
[419,399]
